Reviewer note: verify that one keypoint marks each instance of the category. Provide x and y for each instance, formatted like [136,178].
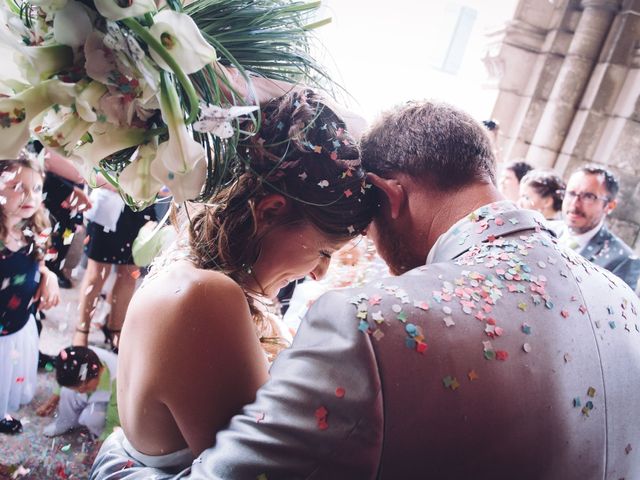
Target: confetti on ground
[340,392]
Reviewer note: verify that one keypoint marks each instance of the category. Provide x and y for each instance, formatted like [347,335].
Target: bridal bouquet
[137,90]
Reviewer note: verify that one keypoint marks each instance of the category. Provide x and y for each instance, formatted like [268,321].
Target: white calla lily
[61,128]
[17,112]
[181,152]
[181,37]
[88,101]
[106,139]
[183,186]
[136,179]
[36,63]
[72,25]
[41,63]
[113,9]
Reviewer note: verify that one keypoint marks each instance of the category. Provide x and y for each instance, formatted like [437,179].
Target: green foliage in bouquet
[268,37]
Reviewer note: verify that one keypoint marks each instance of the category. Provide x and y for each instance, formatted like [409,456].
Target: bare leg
[92,282]
[119,298]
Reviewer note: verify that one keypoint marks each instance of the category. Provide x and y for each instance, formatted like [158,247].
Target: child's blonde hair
[38,223]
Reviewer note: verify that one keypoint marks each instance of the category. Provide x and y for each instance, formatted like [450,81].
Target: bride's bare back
[189,359]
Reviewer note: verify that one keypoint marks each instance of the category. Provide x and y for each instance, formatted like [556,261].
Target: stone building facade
[568,75]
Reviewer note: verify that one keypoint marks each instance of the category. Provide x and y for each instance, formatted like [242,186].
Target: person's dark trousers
[57,190]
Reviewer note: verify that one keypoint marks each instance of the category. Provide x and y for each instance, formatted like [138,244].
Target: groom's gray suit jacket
[610,252]
[507,357]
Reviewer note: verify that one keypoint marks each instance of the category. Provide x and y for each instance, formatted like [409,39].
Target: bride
[194,343]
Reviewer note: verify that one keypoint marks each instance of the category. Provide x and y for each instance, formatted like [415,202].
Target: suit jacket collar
[490,221]
[594,246]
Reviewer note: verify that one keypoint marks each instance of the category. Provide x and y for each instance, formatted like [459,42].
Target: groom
[493,354]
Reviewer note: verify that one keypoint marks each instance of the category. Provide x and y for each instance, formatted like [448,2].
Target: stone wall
[568,74]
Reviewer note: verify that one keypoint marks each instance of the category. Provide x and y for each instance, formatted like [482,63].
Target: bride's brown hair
[302,151]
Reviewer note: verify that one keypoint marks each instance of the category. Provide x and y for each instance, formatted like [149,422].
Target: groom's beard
[393,248]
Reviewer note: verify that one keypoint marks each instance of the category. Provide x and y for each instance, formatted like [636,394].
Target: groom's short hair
[429,140]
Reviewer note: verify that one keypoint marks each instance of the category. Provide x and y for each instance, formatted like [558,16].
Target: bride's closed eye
[325,254]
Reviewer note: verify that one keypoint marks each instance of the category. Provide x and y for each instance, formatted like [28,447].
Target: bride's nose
[320,271]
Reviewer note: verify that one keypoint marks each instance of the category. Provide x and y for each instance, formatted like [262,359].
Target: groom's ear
[391,193]
[271,208]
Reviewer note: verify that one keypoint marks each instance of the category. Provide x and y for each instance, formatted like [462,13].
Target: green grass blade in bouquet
[268,37]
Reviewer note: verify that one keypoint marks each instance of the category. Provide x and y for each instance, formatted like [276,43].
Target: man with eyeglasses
[589,198]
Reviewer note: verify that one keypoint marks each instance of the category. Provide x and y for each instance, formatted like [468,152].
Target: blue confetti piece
[363,326]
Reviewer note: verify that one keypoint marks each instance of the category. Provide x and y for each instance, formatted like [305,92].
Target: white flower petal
[136,179]
[88,101]
[112,11]
[17,112]
[41,63]
[72,25]
[181,151]
[183,186]
[49,5]
[106,140]
[217,120]
[182,38]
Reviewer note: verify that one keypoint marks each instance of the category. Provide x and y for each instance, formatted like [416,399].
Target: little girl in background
[25,284]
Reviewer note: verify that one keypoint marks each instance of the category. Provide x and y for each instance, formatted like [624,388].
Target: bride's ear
[271,208]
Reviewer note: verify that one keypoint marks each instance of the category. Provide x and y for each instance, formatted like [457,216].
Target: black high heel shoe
[109,336]
[10,426]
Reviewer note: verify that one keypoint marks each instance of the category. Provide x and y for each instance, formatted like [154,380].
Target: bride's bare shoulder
[184,289]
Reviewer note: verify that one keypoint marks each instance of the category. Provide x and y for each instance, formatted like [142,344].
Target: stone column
[523,59]
[571,81]
[606,127]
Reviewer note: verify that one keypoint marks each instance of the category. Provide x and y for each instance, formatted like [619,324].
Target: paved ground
[68,456]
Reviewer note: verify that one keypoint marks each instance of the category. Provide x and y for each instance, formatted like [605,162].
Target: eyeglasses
[587,198]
